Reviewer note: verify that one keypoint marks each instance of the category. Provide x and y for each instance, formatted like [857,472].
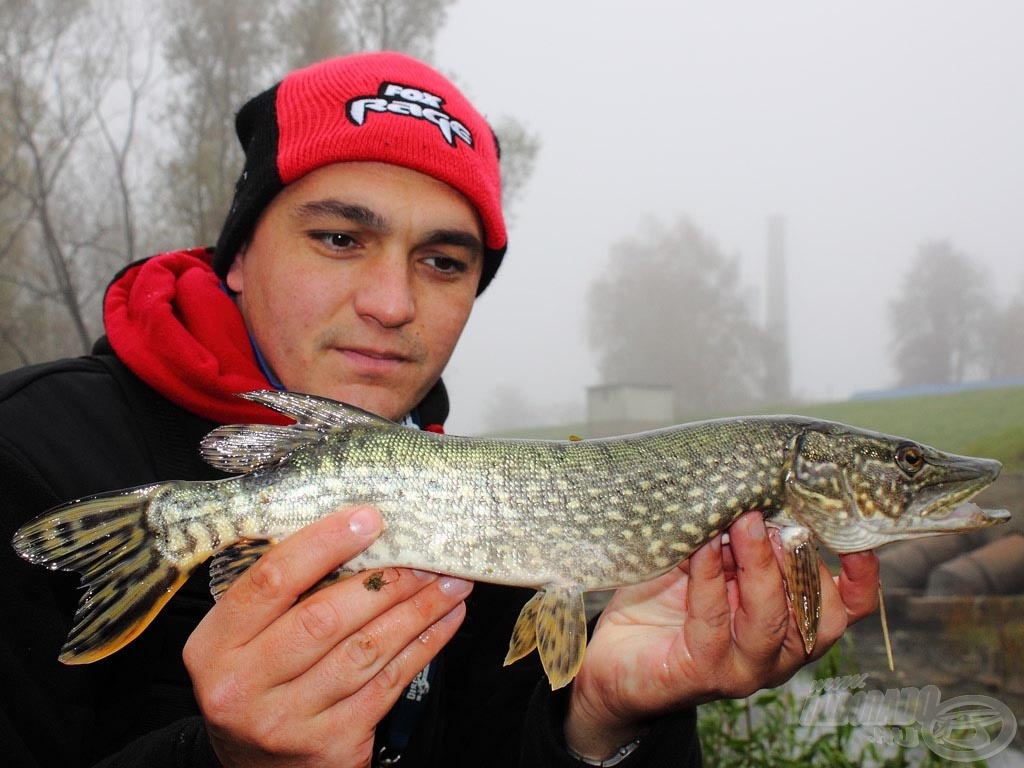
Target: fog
[870,127]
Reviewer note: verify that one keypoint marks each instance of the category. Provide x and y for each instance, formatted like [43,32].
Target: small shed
[620,403]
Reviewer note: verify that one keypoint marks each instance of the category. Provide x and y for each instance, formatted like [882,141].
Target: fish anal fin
[803,581]
[524,634]
[339,574]
[561,634]
[231,562]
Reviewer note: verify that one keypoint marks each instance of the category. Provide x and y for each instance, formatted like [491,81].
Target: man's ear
[234,278]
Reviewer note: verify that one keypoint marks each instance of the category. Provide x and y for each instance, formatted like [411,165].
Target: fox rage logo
[412,102]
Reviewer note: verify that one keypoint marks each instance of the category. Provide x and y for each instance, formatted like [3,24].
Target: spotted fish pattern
[564,517]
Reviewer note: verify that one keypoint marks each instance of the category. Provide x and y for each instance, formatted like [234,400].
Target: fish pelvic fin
[127,579]
[524,633]
[803,581]
[559,632]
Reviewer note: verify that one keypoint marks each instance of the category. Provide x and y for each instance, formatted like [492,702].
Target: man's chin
[378,400]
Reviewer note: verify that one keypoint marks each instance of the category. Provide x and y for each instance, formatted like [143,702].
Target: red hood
[171,322]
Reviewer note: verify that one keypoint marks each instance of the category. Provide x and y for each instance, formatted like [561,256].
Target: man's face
[358,281]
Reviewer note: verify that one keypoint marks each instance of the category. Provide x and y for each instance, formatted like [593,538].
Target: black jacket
[76,427]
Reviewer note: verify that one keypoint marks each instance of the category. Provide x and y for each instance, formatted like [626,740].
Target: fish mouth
[967,517]
[942,508]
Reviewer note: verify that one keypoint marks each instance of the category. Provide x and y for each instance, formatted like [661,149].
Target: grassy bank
[982,422]
[986,422]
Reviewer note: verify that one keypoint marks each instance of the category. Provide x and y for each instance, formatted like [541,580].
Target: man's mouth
[372,359]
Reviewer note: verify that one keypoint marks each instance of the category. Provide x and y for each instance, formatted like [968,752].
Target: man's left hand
[715,626]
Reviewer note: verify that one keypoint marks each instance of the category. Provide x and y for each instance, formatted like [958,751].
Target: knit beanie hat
[383,107]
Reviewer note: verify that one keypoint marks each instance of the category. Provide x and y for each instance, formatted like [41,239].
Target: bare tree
[45,117]
[519,150]
[133,58]
[311,30]
[217,55]
[669,310]
[1005,340]
[58,235]
[939,320]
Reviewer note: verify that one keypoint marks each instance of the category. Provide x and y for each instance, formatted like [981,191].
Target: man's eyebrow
[369,218]
[354,212]
[457,237]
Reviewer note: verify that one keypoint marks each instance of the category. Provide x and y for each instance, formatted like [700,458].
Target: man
[364,225]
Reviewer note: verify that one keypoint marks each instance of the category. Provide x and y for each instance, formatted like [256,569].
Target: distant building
[777,383]
[619,403]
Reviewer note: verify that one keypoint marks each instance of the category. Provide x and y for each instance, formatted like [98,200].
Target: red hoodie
[171,322]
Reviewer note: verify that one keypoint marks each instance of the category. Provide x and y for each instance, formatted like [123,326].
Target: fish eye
[909,458]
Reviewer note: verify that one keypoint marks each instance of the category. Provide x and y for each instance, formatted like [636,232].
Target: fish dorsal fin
[554,621]
[313,411]
[231,562]
[243,448]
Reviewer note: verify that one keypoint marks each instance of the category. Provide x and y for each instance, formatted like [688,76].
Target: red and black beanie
[383,107]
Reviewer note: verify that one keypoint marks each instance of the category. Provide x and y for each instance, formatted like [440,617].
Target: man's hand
[283,681]
[718,625]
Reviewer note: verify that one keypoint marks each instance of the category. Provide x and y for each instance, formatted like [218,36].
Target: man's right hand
[283,681]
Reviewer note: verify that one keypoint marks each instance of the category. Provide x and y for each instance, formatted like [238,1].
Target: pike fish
[562,517]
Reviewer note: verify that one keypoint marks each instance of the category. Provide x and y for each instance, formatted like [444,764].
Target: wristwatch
[620,754]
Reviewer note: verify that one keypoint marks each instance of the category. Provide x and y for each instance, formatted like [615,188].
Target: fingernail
[423,575]
[454,614]
[363,521]
[456,587]
[755,528]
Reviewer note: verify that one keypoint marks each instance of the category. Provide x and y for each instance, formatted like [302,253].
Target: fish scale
[564,517]
[507,522]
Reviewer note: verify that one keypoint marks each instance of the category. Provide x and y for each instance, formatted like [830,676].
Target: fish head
[856,490]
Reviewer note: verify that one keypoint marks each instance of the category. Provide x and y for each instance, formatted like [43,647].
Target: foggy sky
[870,126]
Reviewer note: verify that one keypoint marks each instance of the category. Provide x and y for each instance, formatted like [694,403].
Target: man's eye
[334,239]
[446,264]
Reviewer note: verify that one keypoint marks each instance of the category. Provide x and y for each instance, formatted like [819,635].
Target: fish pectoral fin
[241,448]
[803,581]
[524,633]
[561,634]
[231,562]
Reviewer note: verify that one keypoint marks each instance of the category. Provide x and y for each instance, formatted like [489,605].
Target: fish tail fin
[105,538]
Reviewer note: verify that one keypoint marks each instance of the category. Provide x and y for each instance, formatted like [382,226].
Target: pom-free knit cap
[377,107]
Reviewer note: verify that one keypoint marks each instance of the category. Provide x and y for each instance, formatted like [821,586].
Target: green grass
[763,731]
[985,422]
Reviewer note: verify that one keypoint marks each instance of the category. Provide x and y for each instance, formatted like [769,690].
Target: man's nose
[386,293]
